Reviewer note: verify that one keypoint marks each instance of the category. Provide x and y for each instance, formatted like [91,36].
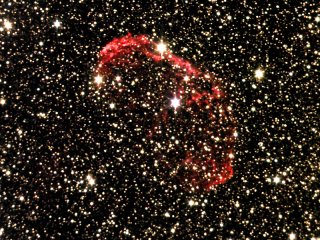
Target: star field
[92,153]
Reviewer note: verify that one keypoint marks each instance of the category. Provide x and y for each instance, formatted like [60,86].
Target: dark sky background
[56,180]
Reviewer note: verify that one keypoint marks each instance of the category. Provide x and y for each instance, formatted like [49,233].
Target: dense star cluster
[161,120]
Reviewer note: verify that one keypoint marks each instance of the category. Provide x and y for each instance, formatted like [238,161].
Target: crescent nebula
[171,115]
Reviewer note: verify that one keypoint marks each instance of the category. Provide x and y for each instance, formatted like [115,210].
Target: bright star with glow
[259,74]
[112,105]
[292,236]
[175,102]
[57,24]
[7,24]
[161,47]
[186,78]
[276,180]
[98,79]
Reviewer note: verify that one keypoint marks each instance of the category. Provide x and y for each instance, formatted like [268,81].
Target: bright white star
[259,73]
[161,48]
[2,101]
[175,102]
[276,180]
[7,24]
[57,24]
[98,79]
[292,236]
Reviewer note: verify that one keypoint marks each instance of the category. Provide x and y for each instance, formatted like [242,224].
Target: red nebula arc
[202,123]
